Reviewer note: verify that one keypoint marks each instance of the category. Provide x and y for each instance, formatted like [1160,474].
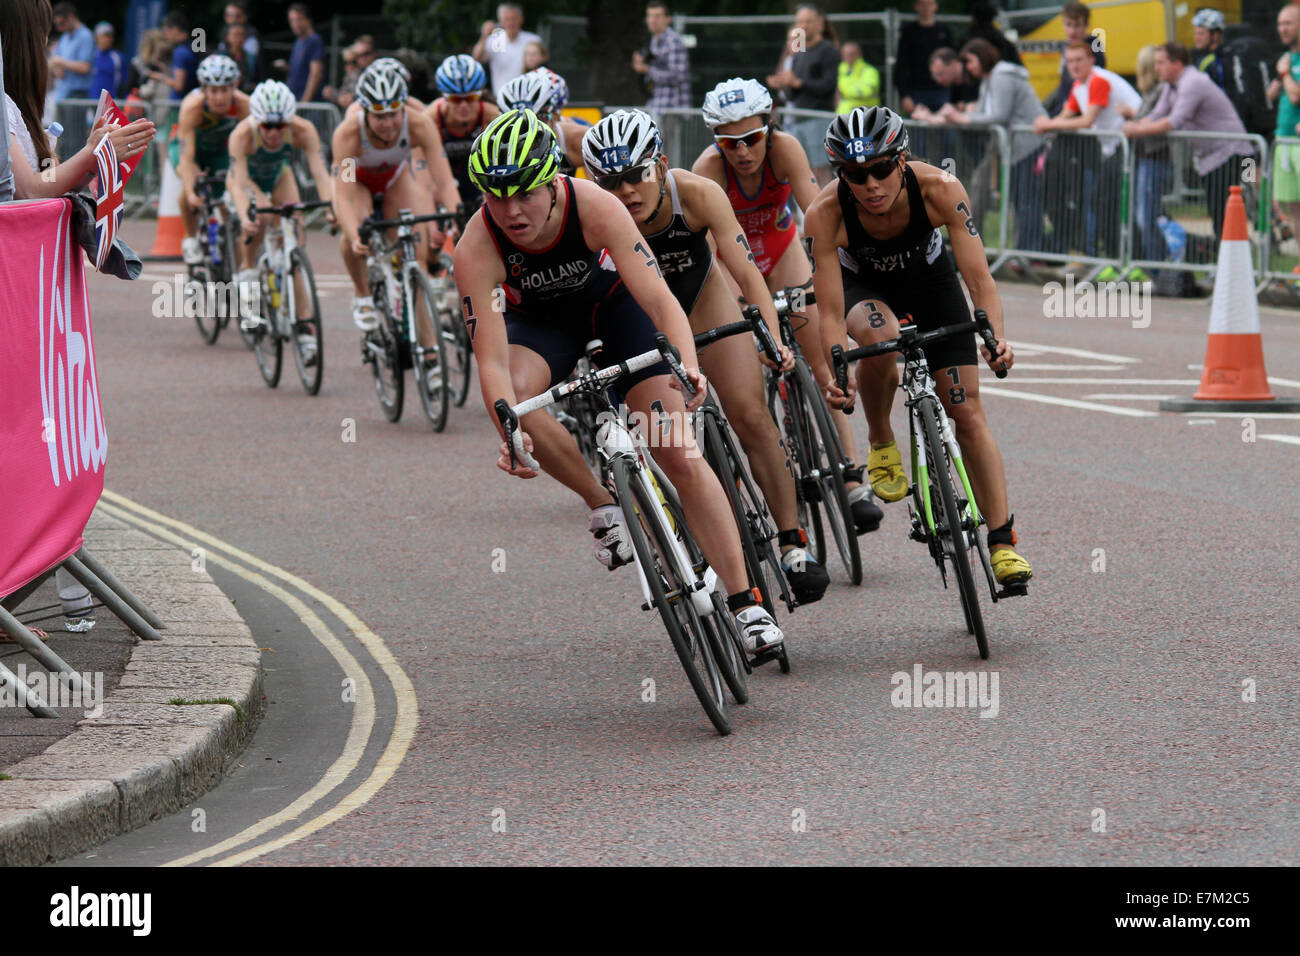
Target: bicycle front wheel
[268,347]
[429,364]
[381,349]
[197,285]
[669,594]
[827,458]
[950,525]
[305,339]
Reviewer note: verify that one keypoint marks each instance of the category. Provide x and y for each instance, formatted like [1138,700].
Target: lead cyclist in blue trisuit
[573,267]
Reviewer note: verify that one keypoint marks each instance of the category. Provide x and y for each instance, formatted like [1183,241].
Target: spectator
[810,83]
[151,59]
[184,62]
[1095,103]
[108,71]
[982,15]
[859,81]
[1286,88]
[786,62]
[232,45]
[1152,171]
[1075,16]
[355,60]
[1191,101]
[237,13]
[1006,99]
[916,43]
[667,68]
[536,56]
[6,169]
[948,74]
[306,76]
[1207,34]
[74,54]
[501,47]
[24,29]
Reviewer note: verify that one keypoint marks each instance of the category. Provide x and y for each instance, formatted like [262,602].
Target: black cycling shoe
[808,579]
[866,513]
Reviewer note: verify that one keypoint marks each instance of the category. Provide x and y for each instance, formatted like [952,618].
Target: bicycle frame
[275,256]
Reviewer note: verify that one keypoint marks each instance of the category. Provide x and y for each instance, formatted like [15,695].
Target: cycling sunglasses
[857,175]
[273,126]
[633,177]
[386,106]
[751,139]
[464,97]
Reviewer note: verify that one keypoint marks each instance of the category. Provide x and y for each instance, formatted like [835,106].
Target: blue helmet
[460,74]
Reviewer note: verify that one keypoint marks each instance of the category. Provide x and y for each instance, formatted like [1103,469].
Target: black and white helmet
[734,100]
[530,91]
[393,63]
[218,70]
[381,89]
[865,134]
[622,140]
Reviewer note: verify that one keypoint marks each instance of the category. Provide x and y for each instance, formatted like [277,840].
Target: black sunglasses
[633,177]
[857,175]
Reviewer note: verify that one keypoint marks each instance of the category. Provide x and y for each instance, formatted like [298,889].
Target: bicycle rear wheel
[788,415]
[429,364]
[950,525]
[827,458]
[306,339]
[268,347]
[669,594]
[197,285]
[381,349]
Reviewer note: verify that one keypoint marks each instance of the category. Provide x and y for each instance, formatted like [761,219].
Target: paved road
[1164,578]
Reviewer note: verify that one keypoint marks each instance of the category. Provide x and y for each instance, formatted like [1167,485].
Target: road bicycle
[812,447]
[943,512]
[289,313]
[406,300]
[675,579]
[210,282]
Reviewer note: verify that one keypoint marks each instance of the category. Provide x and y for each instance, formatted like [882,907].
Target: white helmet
[393,63]
[533,91]
[1209,19]
[218,70]
[736,99]
[622,140]
[381,89]
[272,102]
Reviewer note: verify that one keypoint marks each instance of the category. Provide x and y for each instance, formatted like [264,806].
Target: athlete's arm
[823,225]
[308,140]
[948,202]
[424,133]
[606,224]
[186,122]
[706,204]
[710,166]
[243,192]
[346,146]
[790,163]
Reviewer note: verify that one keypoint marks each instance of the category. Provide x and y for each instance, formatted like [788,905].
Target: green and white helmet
[517,153]
[218,70]
[272,102]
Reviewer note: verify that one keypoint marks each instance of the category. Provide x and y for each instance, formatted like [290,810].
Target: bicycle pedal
[1014,590]
[767,656]
[916,534]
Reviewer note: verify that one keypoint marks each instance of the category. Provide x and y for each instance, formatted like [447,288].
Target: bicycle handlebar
[753,322]
[784,300]
[373,225]
[288,208]
[909,338]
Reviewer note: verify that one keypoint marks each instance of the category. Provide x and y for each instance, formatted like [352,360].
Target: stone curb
[143,757]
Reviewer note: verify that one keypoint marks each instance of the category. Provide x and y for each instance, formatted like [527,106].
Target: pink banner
[52,440]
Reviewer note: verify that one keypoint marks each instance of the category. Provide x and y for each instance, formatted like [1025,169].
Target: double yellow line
[362,729]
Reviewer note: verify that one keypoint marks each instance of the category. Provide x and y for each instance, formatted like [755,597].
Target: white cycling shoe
[363,313]
[249,297]
[613,546]
[191,251]
[757,629]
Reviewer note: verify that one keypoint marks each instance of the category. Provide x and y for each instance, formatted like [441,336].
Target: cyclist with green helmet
[207,117]
[573,267]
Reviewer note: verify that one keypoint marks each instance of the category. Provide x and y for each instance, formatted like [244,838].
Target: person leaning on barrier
[917,42]
[810,83]
[1191,101]
[1153,173]
[1075,17]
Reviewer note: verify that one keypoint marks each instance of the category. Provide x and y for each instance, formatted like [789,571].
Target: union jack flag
[108,208]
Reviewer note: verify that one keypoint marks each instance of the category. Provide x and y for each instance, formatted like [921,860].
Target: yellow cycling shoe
[1010,568]
[885,469]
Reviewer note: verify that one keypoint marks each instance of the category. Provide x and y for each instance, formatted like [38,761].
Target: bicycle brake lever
[514,442]
[674,360]
[841,373]
[990,340]
[765,340]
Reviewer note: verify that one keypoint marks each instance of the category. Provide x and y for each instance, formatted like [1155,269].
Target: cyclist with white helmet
[545,93]
[207,117]
[681,215]
[762,169]
[372,171]
[879,254]
[261,153]
[574,267]
[460,115]
[1207,34]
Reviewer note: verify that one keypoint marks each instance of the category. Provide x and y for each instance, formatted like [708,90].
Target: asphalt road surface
[1146,701]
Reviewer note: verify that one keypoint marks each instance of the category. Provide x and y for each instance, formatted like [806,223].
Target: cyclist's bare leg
[405,193]
[868,322]
[702,497]
[356,197]
[791,270]
[736,374]
[553,446]
[959,390]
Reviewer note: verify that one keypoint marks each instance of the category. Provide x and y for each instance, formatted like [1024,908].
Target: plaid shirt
[670,72]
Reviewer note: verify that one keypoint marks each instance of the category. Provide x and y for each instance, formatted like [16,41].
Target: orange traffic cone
[171,229]
[1233,377]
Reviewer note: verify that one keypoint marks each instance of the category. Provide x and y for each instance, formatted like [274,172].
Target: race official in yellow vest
[859,81]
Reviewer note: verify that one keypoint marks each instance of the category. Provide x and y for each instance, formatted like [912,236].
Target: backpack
[1247,69]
